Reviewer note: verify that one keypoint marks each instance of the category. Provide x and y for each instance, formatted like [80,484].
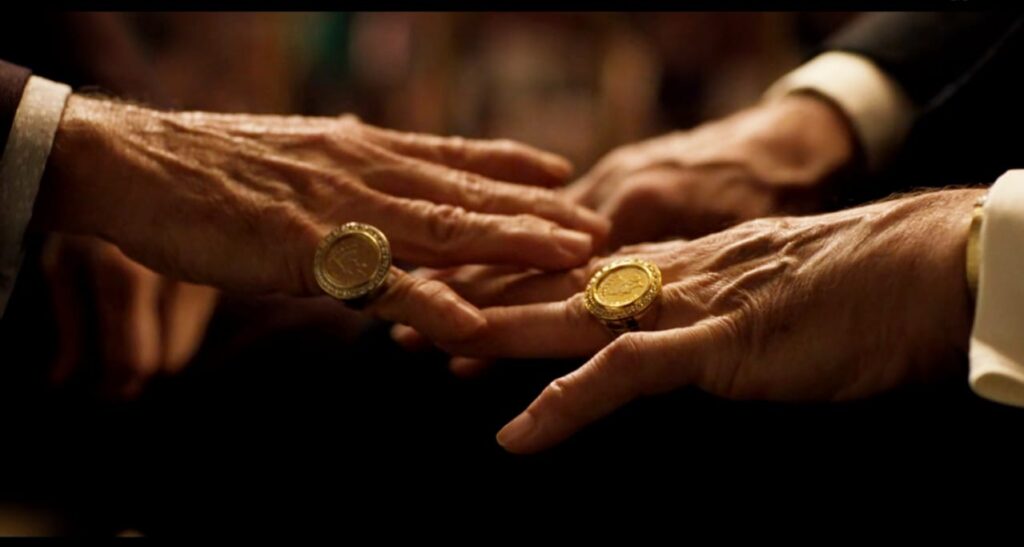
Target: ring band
[352,263]
[620,293]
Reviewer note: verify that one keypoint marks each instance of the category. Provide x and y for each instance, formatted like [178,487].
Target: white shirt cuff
[878,109]
[21,169]
[997,337]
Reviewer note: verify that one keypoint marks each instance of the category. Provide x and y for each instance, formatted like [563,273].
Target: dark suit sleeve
[930,54]
[12,84]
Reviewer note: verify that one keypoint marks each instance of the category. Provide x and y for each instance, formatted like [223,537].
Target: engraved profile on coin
[623,285]
[352,261]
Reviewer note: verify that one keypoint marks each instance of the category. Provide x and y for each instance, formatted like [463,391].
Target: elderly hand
[146,325]
[768,160]
[828,307]
[240,201]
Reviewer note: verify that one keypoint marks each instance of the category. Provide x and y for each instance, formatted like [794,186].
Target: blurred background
[575,83]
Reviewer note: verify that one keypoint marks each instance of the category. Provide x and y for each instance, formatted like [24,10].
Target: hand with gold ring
[241,202]
[829,307]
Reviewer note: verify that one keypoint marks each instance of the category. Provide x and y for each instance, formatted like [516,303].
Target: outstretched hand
[828,307]
[240,201]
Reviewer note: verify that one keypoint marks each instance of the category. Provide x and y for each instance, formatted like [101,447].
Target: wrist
[810,135]
[950,217]
[89,181]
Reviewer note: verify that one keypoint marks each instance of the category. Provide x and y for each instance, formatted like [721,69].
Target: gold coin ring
[352,261]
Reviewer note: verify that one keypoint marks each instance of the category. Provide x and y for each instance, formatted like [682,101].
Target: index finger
[553,329]
[429,306]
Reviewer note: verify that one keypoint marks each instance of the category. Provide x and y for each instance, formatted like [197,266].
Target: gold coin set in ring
[352,262]
[620,293]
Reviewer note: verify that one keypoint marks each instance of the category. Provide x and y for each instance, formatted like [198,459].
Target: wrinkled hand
[240,201]
[768,160]
[829,307]
[147,325]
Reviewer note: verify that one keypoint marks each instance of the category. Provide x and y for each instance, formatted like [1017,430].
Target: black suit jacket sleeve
[12,84]
[962,72]
[930,54]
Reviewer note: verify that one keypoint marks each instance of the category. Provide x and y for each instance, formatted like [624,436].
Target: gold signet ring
[352,263]
[621,292]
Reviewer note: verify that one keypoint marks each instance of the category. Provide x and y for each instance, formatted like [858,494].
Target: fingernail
[560,167]
[403,335]
[517,430]
[467,367]
[575,244]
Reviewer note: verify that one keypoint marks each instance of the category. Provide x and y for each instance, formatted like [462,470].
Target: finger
[409,338]
[428,306]
[635,364]
[511,289]
[468,367]
[593,188]
[637,218]
[566,328]
[499,159]
[185,310]
[435,183]
[67,309]
[128,313]
[430,234]
[555,329]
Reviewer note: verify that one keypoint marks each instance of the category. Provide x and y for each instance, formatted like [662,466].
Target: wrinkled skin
[771,159]
[240,201]
[817,308]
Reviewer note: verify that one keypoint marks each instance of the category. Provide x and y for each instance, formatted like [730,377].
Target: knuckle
[647,190]
[684,296]
[576,314]
[298,276]
[623,353]
[543,199]
[429,289]
[455,150]
[622,358]
[524,223]
[473,190]
[721,376]
[560,393]
[446,224]
[404,290]
[511,148]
